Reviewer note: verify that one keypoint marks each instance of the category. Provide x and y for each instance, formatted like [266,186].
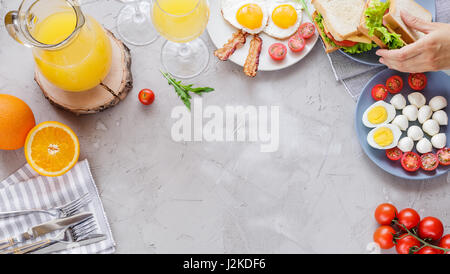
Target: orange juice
[81,64]
[180,21]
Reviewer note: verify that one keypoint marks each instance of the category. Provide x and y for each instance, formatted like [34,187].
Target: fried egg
[250,16]
[379,113]
[384,137]
[285,18]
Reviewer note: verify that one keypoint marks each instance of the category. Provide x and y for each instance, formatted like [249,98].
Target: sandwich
[337,22]
[381,21]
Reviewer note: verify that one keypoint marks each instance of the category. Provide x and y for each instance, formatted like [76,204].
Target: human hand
[430,53]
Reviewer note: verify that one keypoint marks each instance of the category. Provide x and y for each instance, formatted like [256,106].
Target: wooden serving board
[109,93]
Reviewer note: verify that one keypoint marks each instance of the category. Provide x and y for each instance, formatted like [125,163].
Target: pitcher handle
[12,25]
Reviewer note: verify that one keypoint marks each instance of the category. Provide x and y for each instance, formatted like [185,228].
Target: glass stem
[139,16]
[184,49]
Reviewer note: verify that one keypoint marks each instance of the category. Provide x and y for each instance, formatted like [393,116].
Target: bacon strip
[236,42]
[252,61]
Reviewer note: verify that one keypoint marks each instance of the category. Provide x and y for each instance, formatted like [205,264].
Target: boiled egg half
[384,137]
[379,113]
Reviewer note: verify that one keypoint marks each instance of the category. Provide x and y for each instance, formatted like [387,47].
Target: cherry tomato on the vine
[409,218]
[429,250]
[431,228]
[146,96]
[445,243]
[384,236]
[407,244]
[385,213]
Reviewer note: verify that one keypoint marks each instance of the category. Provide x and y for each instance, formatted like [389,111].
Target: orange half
[52,149]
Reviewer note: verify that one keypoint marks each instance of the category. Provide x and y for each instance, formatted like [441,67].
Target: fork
[70,235]
[58,212]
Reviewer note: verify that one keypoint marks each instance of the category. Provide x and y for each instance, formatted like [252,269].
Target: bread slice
[363,29]
[328,47]
[394,21]
[342,16]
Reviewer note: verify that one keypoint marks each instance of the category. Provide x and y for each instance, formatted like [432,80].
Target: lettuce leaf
[358,48]
[374,22]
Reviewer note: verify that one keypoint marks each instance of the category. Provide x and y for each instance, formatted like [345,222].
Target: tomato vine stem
[418,238]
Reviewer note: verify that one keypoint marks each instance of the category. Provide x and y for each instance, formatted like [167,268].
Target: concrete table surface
[316,194]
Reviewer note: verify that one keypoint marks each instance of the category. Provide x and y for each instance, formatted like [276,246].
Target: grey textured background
[316,194]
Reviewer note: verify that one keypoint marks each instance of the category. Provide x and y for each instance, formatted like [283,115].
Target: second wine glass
[134,23]
[181,22]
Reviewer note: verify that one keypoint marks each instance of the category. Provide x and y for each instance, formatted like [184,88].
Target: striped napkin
[25,189]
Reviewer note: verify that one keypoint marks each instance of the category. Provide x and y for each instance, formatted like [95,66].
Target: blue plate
[369,57]
[438,84]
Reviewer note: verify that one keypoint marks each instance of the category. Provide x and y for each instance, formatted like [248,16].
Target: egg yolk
[250,16]
[383,136]
[284,16]
[377,115]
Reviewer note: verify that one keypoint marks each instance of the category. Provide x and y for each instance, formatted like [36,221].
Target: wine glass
[134,23]
[181,22]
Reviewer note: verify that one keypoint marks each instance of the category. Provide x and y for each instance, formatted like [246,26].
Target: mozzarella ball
[424,146]
[438,103]
[441,117]
[424,114]
[411,111]
[398,101]
[431,127]
[417,99]
[415,133]
[401,121]
[439,140]
[405,144]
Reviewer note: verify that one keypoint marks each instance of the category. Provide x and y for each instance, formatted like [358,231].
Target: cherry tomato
[406,244]
[277,51]
[379,92]
[307,30]
[345,43]
[409,218]
[394,84]
[444,156]
[146,96]
[394,154]
[429,250]
[417,81]
[296,43]
[431,228]
[410,161]
[445,243]
[385,213]
[429,161]
[384,236]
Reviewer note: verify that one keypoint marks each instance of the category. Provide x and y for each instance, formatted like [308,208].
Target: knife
[44,228]
[58,246]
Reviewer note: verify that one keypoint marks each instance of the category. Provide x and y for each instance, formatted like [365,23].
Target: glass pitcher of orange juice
[71,50]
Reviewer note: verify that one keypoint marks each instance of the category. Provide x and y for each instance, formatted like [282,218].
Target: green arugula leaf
[183,90]
[305,7]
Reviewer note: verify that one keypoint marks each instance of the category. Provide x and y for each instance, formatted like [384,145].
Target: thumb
[416,23]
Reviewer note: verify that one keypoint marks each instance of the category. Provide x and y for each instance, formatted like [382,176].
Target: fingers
[402,54]
[413,65]
[416,23]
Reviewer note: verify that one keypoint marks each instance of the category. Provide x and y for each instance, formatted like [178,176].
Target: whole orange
[16,120]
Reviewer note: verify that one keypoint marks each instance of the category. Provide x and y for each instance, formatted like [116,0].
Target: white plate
[220,31]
